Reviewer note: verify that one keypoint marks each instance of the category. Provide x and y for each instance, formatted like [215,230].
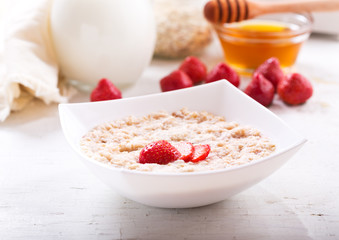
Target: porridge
[119,142]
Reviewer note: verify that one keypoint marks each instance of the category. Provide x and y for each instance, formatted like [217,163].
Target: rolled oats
[118,143]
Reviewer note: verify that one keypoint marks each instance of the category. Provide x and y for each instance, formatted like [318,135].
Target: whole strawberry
[272,71]
[175,80]
[105,90]
[295,89]
[223,71]
[160,152]
[194,68]
[260,89]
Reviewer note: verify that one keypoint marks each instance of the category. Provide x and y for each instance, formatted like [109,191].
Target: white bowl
[182,190]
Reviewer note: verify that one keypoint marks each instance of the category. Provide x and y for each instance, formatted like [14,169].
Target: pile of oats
[118,143]
[181,30]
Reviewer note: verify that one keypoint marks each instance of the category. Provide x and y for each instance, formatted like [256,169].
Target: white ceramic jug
[97,39]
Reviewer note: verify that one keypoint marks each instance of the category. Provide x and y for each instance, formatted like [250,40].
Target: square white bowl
[182,190]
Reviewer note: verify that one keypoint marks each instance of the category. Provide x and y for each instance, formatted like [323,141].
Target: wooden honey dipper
[228,11]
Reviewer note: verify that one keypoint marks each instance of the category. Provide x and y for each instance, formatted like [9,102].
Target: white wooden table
[46,193]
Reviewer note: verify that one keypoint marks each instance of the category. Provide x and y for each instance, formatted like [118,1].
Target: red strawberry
[295,89]
[260,89]
[272,71]
[200,152]
[175,80]
[194,68]
[186,149]
[160,152]
[223,71]
[105,90]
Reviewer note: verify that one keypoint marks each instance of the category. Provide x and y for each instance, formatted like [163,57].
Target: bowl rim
[230,29]
[298,143]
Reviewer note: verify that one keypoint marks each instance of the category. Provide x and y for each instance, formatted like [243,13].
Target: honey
[248,44]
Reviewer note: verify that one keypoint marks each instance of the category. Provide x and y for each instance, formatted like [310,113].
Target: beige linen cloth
[28,65]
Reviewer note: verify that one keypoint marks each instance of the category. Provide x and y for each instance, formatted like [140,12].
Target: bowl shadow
[253,214]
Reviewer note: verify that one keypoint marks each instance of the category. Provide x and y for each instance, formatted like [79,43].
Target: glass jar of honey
[249,43]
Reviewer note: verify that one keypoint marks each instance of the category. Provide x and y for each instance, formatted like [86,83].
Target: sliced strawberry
[105,90]
[194,68]
[160,152]
[175,80]
[200,152]
[186,149]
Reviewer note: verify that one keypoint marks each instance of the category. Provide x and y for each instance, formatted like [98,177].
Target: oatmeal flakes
[118,143]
